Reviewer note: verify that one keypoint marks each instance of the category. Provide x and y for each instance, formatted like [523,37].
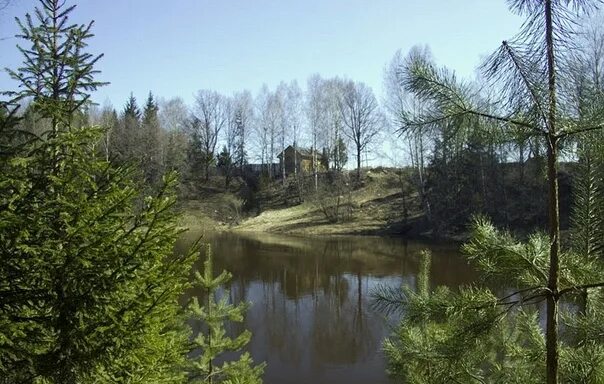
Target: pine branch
[579,288]
[566,133]
[506,120]
[388,300]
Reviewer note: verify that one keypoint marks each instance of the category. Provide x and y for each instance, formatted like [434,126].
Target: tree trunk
[336,160]
[314,161]
[283,161]
[107,145]
[295,158]
[422,183]
[209,336]
[521,160]
[358,163]
[551,334]
[553,278]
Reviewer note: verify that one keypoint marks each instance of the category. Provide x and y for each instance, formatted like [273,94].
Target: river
[310,316]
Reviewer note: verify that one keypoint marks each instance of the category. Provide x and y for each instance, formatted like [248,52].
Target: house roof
[302,152]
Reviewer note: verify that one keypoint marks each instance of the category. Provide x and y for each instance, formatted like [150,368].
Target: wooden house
[301,159]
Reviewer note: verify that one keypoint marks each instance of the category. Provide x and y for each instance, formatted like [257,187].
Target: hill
[385,202]
[376,207]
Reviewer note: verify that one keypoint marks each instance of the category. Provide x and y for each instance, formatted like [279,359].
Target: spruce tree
[89,284]
[57,71]
[225,164]
[339,154]
[212,341]
[151,161]
[128,148]
[92,286]
[131,108]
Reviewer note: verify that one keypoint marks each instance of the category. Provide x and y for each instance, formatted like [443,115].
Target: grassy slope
[210,207]
[376,208]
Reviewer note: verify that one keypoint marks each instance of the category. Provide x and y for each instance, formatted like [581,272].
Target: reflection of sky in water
[311,318]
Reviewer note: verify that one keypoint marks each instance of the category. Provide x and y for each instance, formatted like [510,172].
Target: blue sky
[174,48]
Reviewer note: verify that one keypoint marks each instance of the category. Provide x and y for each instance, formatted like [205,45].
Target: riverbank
[385,203]
[382,206]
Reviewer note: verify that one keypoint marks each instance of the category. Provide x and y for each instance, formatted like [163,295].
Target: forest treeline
[164,135]
[454,169]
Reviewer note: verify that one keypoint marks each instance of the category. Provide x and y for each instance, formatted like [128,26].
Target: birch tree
[293,116]
[398,104]
[211,111]
[316,118]
[363,121]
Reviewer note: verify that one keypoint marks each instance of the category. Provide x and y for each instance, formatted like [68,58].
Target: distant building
[301,159]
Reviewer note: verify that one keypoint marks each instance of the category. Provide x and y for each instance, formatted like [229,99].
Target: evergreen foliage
[478,335]
[537,98]
[339,154]
[225,164]
[151,161]
[90,286]
[468,183]
[55,44]
[240,154]
[89,282]
[588,212]
[214,342]
[131,108]
[127,148]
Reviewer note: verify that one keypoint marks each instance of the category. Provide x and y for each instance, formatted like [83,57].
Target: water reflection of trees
[341,330]
[313,261]
[311,296]
[284,336]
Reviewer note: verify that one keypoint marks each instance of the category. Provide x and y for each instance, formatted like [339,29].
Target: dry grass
[214,212]
[375,207]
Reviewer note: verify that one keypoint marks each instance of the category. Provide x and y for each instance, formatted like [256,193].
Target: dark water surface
[310,315]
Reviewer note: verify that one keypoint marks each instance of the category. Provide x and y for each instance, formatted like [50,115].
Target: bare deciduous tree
[264,126]
[362,118]
[316,117]
[211,111]
[293,115]
[398,103]
[334,89]
[279,111]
